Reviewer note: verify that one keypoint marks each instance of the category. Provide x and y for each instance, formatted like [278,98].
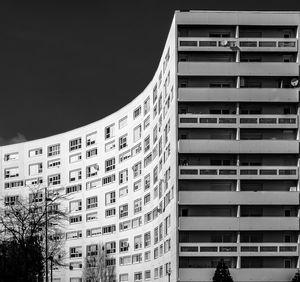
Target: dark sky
[64,64]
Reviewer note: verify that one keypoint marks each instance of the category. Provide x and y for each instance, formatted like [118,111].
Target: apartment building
[203,165]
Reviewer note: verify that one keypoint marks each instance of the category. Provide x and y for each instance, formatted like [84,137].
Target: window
[147,199]
[124,277]
[137,185]
[123,176]
[155,135]
[108,179]
[146,122]
[75,144]
[73,188]
[93,232]
[154,93]
[136,149]
[91,216]
[147,160]
[123,142]
[75,219]
[125,260]
[54,179]
[110,247]
[137,112]
[35,169]
[11,200]
[155,175]
[75,175]
[147,274]
[146,106]
[148,217]
[156,235]
[122,122]
[124,156]
[109,229]
[110,212]
[147,255]
[91,153]
[74,235]
[93,184]
[137,169]
[124,246]
[91,139]
[155,254]
[92,170]
[147,182]
[13,184]
[11,172]
[54,163]
[110,164]
[138,276]
[110,198]
[137,258]
[53,150]
[91,202]
[123,211]
[147,144]
[137,205]
[76,252]
[75,206]
[109,131]
[91,250]
[125,225]
[147,239]
[136,222]
[137,133]
[35,152]
[110,146]
[123,191]
[11,157]
[75,158]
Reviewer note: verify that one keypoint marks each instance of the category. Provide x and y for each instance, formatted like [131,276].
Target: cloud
[14,140]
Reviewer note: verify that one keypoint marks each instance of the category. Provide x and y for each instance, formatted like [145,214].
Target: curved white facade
[118,179]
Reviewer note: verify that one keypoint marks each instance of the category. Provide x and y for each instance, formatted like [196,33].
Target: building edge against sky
[203,164]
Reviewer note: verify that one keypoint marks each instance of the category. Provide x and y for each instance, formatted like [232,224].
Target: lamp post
[169,273]
[46,233]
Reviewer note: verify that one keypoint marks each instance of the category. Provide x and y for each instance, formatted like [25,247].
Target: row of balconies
[252,223]
[207,94]
[239,197]
[233,44]
[241,249]
[238,146]
[237,68]
[241,172]
[243,121]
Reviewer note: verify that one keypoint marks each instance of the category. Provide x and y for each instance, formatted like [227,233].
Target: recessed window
[91,202]
[35,152]
[123,191]
[11,157]
[110,164]
[92,170]
[75,144]
[110,146]
[137,112]
[54,179]
[53,150]
[109,131]
[137,205]
[146,106]
[123,176]
[123,211]
[122,122]
[35,169]
[110,198]
[123,142]
[91,139]
[137,133]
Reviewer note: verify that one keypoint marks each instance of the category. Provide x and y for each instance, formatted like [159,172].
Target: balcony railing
[279,44]
[245,121]
[246,249]
[243,172]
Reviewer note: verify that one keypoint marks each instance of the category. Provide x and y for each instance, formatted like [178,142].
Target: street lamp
[169,272]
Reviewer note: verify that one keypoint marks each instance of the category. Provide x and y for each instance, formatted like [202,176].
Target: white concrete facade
[166,163]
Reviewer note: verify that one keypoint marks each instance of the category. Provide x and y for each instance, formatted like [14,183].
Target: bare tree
[34,223]
[99,265]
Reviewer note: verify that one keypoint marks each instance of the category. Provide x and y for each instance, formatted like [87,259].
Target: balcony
[233,44]
[233,121]
[238,198]
[241,172]
[285,95]
[239,147]
[238,223]
[234,69]
[240,249]
[245,275]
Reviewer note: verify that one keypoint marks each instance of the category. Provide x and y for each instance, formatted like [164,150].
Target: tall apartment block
[203,165]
